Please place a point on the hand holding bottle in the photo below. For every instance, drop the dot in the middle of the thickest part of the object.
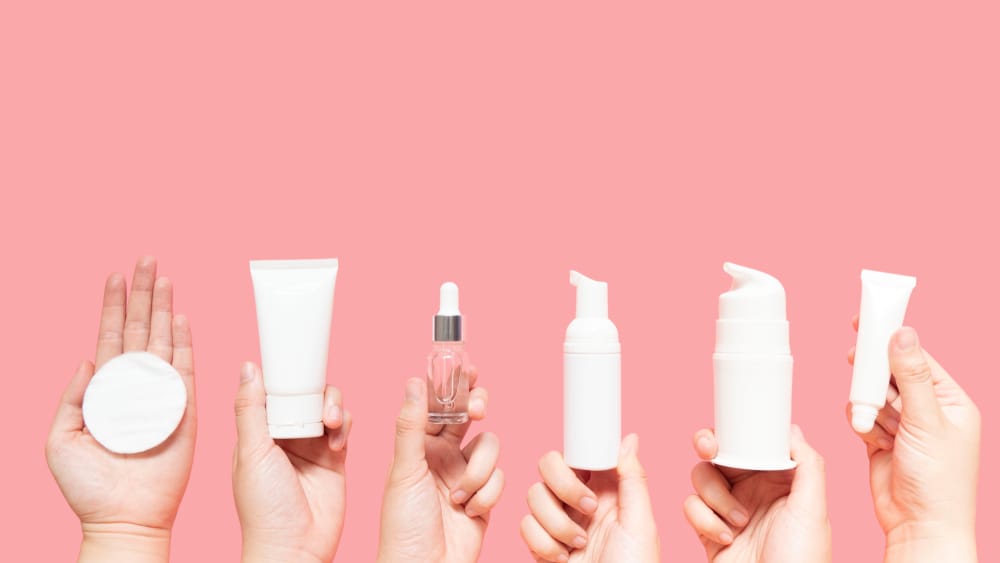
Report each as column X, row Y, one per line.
column 289, row 493
column 774, row 516
column 592, row 516
column 924, row 459
column 127, row 503
column 439, row 494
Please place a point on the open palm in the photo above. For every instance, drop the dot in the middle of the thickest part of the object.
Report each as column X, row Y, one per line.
column 143, row 489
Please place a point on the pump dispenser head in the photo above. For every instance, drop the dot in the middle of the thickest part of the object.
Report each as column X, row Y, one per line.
column 448, row 320
column 591, row 331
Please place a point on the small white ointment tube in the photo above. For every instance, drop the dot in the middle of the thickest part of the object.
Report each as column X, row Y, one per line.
column 883, row 306
column 294, row 306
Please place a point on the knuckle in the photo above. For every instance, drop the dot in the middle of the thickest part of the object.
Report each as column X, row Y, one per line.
column 241, row 405
column 916, row 372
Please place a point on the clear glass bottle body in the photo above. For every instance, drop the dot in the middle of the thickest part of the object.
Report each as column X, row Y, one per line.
column 447, row 384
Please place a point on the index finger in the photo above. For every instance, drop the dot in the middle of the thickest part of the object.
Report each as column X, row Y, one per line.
column 565, row 484
column 109, row 332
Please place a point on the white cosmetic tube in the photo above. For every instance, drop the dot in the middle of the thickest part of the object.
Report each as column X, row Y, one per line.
column 294, row 306
column 883, row 305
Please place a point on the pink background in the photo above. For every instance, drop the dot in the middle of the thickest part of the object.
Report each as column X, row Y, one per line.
column 496, row 145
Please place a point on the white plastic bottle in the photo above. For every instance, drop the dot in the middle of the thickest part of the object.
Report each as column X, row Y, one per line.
column 591, row 380
column 884, row 298
column 753, row 373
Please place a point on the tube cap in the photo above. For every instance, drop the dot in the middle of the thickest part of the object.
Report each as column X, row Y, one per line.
column 295, row 416
column 863, row 418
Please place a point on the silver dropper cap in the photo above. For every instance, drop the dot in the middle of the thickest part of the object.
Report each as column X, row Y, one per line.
column 448, row 320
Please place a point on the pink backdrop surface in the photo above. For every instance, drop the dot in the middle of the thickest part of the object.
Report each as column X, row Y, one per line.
column 498, row 146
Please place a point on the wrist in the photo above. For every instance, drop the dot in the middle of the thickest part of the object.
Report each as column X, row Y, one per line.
column 930, row 542
column 121, row 541
column 256, row 552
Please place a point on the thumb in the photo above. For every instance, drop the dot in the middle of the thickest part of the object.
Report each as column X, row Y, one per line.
column 913, row 379
column 809, row 484
column 69, row 416
column 410, row 428
column 251, row 415
column 633, row 490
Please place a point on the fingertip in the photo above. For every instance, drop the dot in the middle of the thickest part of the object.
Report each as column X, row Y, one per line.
column 247, row 372
column 116, row 280
column 905, row 339
column 705, row 444
column 414, row 389
column 145, row 261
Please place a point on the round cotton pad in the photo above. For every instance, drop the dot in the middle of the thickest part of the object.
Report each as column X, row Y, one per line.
column 134, row 402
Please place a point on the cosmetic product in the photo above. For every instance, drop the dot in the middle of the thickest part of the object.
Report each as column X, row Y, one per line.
column 447, row 377
column 753, row 373
column 591, row 380
column 134, row 402
column 883, row 305
column 294, row 305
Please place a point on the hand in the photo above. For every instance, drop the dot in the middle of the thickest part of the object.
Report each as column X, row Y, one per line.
column 773, row 516
column 127, row 503
column 592, row 516
column 289, row 493
column 924, row 459
column 438, row 495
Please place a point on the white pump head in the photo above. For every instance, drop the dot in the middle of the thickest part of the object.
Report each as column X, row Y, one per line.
column 591, row 331
column 752, row 314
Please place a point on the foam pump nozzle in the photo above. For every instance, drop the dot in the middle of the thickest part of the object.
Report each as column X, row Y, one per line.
column 591, row 296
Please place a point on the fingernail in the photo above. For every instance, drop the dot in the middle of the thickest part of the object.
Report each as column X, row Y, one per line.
column 907, row 340
column 588, row 504
column 333, row 413
column 704, row 443
column 478, row 406
column 726, row 538
column 579, row 542
column 563, row 558
column 246, row 372
column 412, row 390
column 738, row 517
column 459, row 496
column 884, row 443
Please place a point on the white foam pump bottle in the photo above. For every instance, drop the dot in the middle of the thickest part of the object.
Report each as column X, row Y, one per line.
column 753, row 373
column 591, row 380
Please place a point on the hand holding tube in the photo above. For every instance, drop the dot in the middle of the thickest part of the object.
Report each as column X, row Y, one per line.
column 592, row 516
column 924, row 459
column 289, row 493
column 774, row 516
column 127, row 503
column 439, row 494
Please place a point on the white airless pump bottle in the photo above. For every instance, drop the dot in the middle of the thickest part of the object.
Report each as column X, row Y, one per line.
column 753, row 373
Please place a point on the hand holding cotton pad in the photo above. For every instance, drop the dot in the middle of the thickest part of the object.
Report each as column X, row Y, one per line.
column 134, row 403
